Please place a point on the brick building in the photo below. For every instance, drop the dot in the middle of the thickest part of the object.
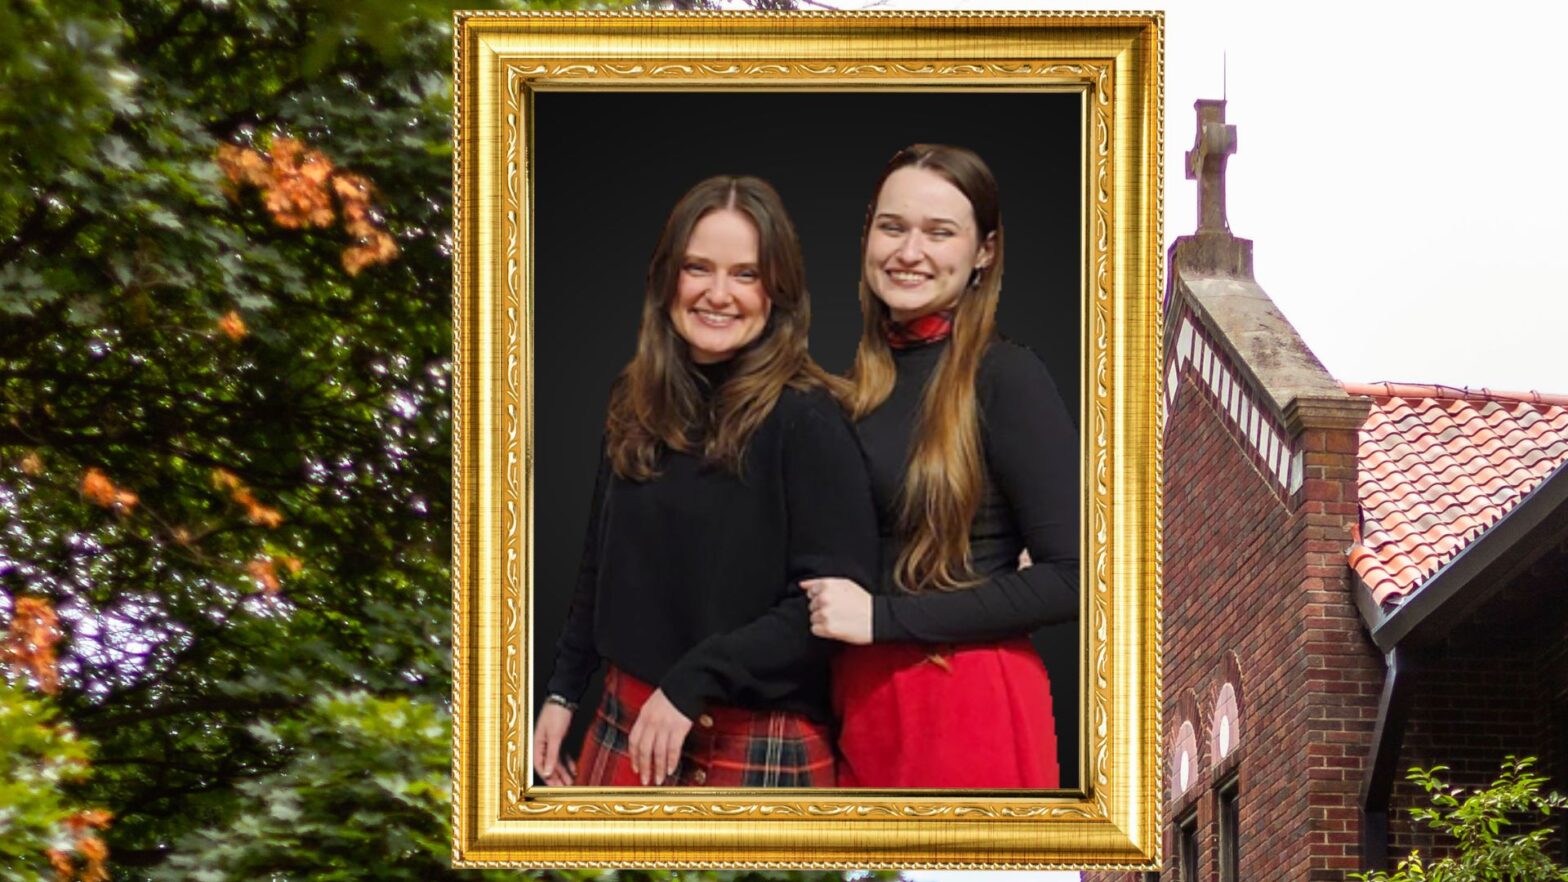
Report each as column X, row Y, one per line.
column 1358, row 579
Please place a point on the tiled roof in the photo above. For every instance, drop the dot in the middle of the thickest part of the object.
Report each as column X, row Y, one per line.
column 1438, row 467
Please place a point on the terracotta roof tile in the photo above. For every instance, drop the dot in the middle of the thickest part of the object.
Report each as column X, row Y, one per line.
column 1438, row 467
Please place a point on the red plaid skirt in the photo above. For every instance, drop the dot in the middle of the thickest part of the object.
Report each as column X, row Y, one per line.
column 727, row 746
column 972, row 715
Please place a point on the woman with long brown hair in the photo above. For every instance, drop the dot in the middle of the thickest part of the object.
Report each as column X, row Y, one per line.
column 728, row 476
column 973, row 462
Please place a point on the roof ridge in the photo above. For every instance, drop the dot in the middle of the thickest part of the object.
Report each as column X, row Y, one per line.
column 1453, row 393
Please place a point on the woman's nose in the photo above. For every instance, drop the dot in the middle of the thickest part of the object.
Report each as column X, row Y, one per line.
column 719, row 291
column 909, row 250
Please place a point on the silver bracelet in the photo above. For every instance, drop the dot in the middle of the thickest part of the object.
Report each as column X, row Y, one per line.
column 552, row 698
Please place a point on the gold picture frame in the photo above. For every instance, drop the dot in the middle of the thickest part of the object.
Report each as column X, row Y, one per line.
column 1113, row 62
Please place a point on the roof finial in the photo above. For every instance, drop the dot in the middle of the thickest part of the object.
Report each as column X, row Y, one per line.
column 1206, row 164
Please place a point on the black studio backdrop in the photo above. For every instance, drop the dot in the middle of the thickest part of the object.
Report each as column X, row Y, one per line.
column 608, row 167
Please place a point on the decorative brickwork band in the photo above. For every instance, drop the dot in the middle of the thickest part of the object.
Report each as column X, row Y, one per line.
column 1252, row 422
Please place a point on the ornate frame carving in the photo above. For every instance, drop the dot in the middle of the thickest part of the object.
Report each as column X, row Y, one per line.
column 1115, row 60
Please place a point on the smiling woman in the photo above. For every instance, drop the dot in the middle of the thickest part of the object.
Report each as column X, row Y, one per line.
column 972, row 458
column 728, row 476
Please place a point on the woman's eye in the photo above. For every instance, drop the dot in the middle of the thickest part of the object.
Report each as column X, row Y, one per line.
column 695, row 269
column 890, row 228
column 748, row 275
column 941, row 234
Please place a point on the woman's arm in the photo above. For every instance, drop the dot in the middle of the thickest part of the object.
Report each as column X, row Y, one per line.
column 832, row 532
column 1032, row 456
column 831, row 528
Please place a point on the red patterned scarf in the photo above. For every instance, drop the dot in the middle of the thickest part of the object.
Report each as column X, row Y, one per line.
column 918, row 331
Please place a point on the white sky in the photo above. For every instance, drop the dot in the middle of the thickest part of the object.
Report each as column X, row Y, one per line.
column 1401, row 168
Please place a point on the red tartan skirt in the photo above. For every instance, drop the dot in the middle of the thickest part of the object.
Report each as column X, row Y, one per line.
column 727, row 746
column 973, row 715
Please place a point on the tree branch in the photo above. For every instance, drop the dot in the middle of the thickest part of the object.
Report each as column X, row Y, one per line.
column 216, row 704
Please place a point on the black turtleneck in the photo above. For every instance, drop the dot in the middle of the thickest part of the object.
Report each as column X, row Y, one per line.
column 1030, row 502
column 690, row 581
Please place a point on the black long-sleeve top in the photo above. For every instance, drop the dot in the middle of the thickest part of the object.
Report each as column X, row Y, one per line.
column 691, row 580
column 1030, row 501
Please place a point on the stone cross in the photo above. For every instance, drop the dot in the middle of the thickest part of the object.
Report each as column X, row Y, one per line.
column 1206, row 164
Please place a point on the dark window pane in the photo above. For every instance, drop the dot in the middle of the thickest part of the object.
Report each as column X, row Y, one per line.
column 1187, row 848
column 1230, row 831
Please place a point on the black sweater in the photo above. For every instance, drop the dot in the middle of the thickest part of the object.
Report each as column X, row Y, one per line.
column 690, row 581
column 1030, row 502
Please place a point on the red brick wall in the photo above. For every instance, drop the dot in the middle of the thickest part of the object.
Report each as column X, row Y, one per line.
column 1343, row 673
column 1250, row 571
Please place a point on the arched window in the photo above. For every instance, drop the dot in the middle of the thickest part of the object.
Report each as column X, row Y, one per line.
column 1184, row 759
column 1226, row 730
column 1225, row 721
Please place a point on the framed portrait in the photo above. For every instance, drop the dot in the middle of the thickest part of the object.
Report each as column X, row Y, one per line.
column 575, row 135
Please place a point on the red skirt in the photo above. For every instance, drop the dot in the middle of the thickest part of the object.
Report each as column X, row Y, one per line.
column 727, row 746
column 973, row 715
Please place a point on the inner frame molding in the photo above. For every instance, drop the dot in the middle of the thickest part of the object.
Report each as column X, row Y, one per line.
column 1114, row 61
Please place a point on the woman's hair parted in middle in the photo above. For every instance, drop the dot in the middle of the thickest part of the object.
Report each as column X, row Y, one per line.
column 656, row 402
column 945, row 476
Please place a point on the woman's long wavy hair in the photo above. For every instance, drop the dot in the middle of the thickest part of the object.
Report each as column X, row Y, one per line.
column 657, row 402
column 945, row 476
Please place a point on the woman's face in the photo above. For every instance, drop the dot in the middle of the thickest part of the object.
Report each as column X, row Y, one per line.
column 720, row 303
column 923, row 245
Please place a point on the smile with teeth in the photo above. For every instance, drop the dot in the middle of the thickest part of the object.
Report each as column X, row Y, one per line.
column 715, row 319
column 908, row 277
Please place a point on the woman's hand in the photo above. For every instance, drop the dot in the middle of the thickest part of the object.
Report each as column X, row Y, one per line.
column 656, row 739
column 549, row 733
column 840, row 609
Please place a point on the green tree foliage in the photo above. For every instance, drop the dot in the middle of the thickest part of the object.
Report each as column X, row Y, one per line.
column 328, row 813
column 1500, row 833
column 224, row 434
column 38, row 759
